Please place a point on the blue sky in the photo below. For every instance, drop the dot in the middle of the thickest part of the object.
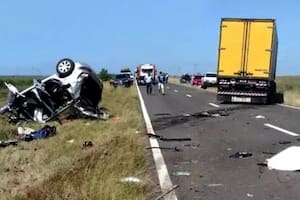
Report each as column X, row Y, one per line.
column 177, row 35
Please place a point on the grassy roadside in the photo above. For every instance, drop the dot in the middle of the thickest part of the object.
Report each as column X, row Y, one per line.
column 288, row 85
column 60, row 168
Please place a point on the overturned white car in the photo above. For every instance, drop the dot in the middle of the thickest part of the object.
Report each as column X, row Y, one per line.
column 74, row 90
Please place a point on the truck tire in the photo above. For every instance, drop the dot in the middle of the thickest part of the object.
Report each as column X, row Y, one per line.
column 271, row 98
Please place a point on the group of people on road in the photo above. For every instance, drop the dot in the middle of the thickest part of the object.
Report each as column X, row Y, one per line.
column 162, row 79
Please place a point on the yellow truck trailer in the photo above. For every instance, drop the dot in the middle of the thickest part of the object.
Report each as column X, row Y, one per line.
column 247, row 60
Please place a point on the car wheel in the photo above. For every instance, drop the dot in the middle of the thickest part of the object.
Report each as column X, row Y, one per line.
column 65, row 67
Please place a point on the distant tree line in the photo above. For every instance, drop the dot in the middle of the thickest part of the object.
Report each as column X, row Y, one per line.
column 104, row 75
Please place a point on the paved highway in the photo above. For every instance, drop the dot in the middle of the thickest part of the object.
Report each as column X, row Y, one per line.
column 218, row 131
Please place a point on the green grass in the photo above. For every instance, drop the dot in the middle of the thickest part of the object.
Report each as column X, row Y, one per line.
column 55, row 168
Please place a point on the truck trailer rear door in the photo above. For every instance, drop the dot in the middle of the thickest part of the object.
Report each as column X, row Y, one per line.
column 259, row 48
column 231, row 49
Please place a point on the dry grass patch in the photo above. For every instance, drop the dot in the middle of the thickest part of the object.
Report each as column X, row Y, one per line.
column 61, row 168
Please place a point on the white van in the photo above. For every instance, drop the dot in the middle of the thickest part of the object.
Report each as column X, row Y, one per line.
column 210, row 78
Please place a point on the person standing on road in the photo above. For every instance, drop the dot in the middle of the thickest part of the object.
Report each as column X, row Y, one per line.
column 161, row 83
column 149, row 81
column 166, row 77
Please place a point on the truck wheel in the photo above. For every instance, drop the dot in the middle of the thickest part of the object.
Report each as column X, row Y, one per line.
column 204, row 86
column 271, row 98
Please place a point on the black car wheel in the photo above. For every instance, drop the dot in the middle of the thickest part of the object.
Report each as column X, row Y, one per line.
column 65, row 67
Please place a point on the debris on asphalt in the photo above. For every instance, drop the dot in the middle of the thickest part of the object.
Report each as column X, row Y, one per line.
column 160, row 197
column 215, row 185
column 263, row 164
column 162, row 114
column 241, row 154
column 131, row 179
column 284, row 142
column 175, row 139
column 260, row 117
column 286, row 160
column 215, row 115
column 250, row 195
column 268, row 153
column 168, row 139
column 181, row 173
column 166, row 148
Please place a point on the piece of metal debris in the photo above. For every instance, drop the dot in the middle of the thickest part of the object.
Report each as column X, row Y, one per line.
column 168, row 139
column 166, row 148
column 250, row 195
column 215, row 185
column 284, row 142
column 131, row 179
column 160, row 197
column 71, row 141
column 260, row 117
column 181, row 173
column 87, row 144
column 241, row 154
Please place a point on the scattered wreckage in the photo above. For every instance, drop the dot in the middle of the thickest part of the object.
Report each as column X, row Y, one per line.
column 75, row 91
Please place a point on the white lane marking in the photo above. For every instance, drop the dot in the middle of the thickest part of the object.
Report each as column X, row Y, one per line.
column 260, row 117
column 214, row 105
column 287, row 106
column 281, row 130
column 168, row 88
column 186, row 115
column 175, row 90
column 188, row 95
column 162, row 171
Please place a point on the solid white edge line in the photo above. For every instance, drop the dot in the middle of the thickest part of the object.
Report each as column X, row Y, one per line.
column 281, row 129
column 288, row 106
column 214, row 105
column 162, row 171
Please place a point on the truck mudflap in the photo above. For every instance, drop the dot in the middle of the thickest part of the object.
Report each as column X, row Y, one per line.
column 255, row 98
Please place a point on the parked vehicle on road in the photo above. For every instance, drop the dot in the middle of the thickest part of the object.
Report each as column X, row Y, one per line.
column 197, row 80
column 247, row 60
column 143, row 70
column 186, row 78
column 75, row 87
column 123, row 79
column 126, row 70
column 210, row 79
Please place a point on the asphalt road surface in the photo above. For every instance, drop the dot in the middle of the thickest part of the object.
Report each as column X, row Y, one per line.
column 217, row 131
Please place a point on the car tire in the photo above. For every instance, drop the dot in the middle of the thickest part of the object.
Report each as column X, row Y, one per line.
column 65, row 67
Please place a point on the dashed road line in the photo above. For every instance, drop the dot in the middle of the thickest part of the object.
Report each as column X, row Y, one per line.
column 281, row 129
column 162, row 171
column 175, row 90
column 188, row 95
column 214, row 105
